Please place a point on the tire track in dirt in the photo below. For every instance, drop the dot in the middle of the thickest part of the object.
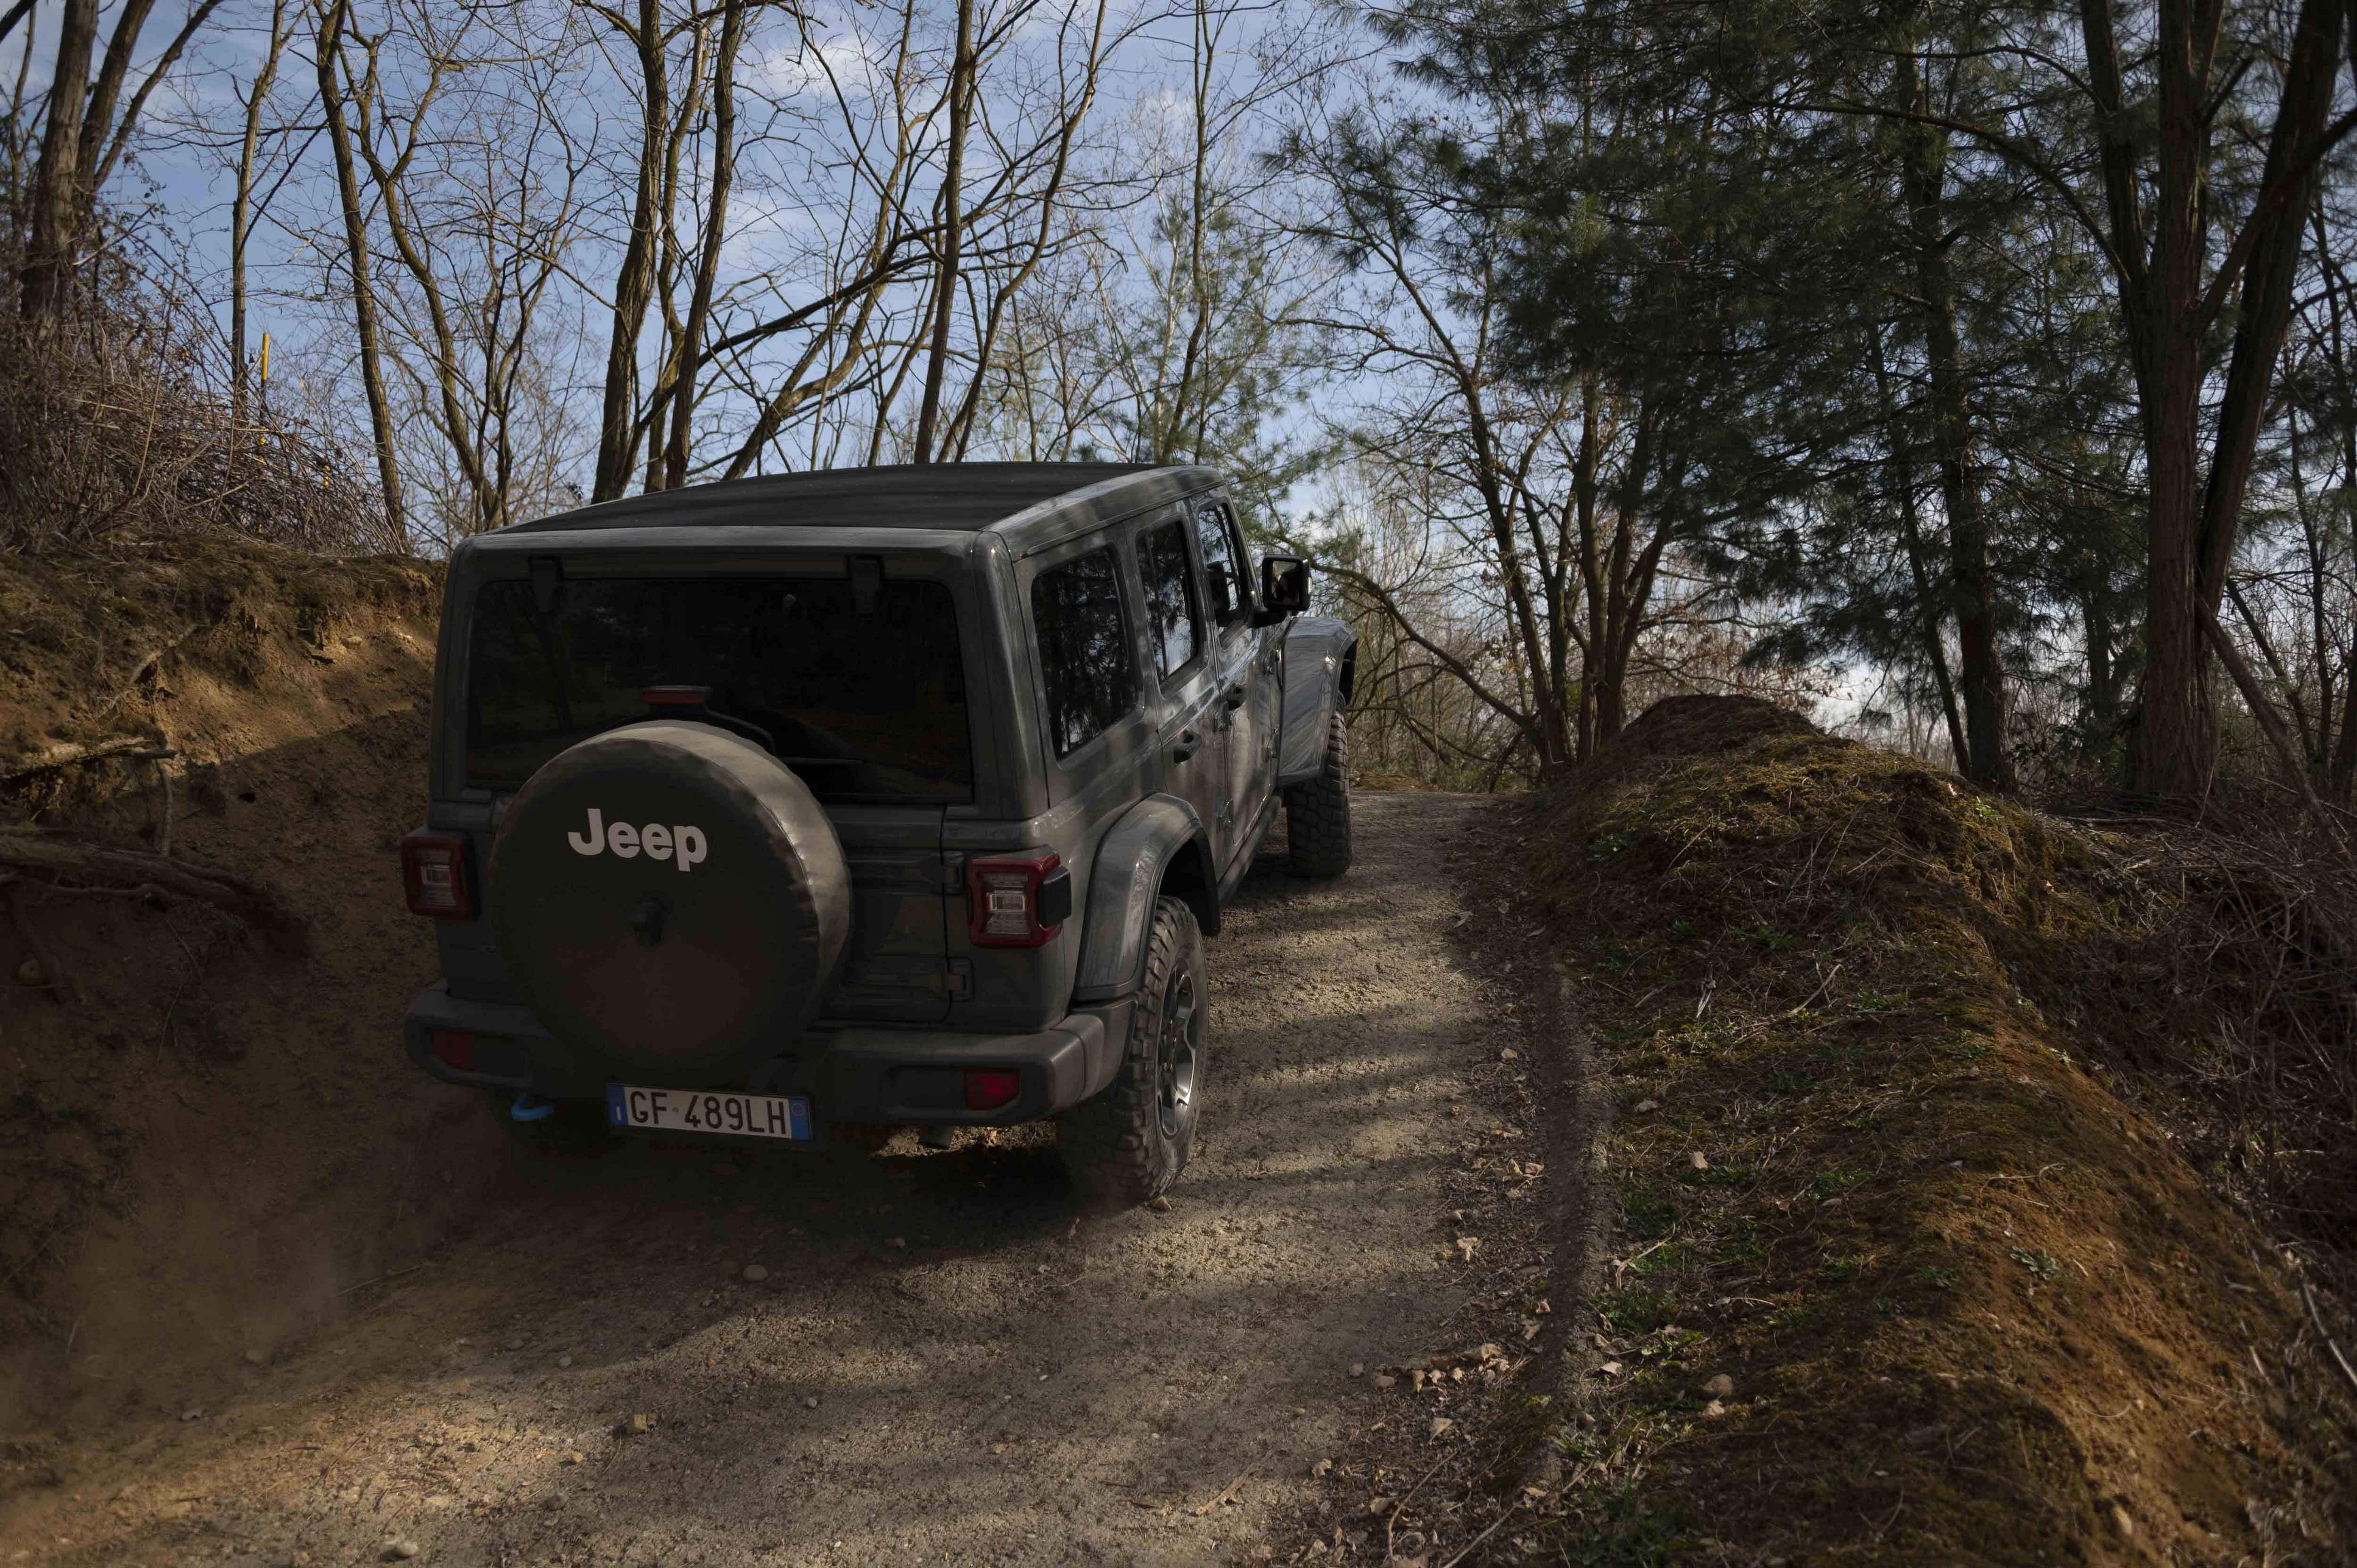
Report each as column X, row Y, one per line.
column 945, row 1360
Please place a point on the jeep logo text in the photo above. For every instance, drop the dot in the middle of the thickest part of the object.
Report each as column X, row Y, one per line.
column 624, row 842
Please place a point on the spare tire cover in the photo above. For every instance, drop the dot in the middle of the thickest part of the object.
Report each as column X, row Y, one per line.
column 670, row 900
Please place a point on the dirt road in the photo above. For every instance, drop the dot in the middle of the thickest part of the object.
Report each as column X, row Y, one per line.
column 939, row 1359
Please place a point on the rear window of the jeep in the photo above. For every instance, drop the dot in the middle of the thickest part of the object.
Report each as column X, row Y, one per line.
column 862, row 706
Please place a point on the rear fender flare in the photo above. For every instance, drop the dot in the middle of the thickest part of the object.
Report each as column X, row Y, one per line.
column 1156, row 847
column 1321, row 659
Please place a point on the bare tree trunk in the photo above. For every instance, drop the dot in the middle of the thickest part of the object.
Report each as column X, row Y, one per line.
column 962, row 86
column 1613, row 636
column 241, row 209
column 2168, row 312
column 617, row 442
column 2103, row 675
column 340, row 140
column 961, row 429
column 1927, row 621
column 669, row 256
column 716, row 228
column 47, row 276
column 1587, row 458
column 98, row 117
column 1981, row 673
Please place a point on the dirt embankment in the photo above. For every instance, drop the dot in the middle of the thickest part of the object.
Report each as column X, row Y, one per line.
column 184, row 1107
column 1912, row 1264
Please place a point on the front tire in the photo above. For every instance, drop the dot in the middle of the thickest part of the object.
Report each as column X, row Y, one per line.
column 1317, row 813
column 1127, row 1146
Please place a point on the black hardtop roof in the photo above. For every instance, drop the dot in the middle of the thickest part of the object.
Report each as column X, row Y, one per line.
column 946, row 496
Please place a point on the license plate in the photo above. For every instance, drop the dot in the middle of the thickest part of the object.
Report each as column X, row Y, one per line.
column 708, row 1111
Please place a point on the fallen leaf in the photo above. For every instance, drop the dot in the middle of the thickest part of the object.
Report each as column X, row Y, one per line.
column 1466, row 1244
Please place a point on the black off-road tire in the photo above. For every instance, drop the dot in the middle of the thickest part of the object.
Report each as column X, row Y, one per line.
column 1317, row 813
column 1127, row 1146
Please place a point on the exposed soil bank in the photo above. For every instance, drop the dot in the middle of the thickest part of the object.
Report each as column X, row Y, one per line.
column 1902, row 1272
column 204, row 1141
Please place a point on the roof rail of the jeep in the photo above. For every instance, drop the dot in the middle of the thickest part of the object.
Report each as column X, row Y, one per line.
column 955, row 497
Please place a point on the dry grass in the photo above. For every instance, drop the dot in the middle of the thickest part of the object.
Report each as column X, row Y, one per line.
column 1926, row 1104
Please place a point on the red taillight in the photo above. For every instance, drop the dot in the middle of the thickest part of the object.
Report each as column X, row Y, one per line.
column 1018, row 902
column 455, row 1047
column 988, row 1087
column 434, row 875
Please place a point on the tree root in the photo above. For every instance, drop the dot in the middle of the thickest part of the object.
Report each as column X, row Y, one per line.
column 52, row 854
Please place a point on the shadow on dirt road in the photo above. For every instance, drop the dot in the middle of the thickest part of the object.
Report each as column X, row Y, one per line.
column 941, row 1358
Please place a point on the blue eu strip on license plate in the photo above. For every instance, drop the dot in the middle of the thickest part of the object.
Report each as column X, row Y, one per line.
column 720, row 1111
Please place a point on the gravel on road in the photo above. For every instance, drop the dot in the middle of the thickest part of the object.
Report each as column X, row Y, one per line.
column 677, row 1354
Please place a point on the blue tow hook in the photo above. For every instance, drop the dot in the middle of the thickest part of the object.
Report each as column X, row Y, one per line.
column 532, row 1108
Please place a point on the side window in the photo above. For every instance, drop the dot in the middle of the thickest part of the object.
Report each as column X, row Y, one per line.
column 1084, row 648
column 1223, row 562
column 1173, row 621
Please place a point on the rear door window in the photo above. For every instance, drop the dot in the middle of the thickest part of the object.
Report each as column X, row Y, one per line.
column 1174, row 622
column 863, row 706
column 1086, row 658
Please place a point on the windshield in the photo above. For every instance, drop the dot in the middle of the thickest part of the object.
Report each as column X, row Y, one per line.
column 864, row 707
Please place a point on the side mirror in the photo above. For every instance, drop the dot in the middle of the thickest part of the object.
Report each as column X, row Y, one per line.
column 1284, row 586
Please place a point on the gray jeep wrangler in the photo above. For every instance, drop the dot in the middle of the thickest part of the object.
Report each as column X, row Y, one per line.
column 880, row 796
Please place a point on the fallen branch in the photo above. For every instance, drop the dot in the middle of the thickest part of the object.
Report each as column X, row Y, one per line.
column 59, row 757
column 1225, row 1495
column 2334, row 1350
column 55, row 854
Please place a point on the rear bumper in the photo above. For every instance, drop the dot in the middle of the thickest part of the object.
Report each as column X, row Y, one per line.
column 857, row 1073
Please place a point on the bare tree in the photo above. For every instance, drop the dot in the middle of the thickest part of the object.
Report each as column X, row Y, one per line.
column 85, row 137
column 945, row 280
column 241, row 228
column 332, row 17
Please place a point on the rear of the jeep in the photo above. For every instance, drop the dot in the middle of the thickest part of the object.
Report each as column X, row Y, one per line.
column 736, row 826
